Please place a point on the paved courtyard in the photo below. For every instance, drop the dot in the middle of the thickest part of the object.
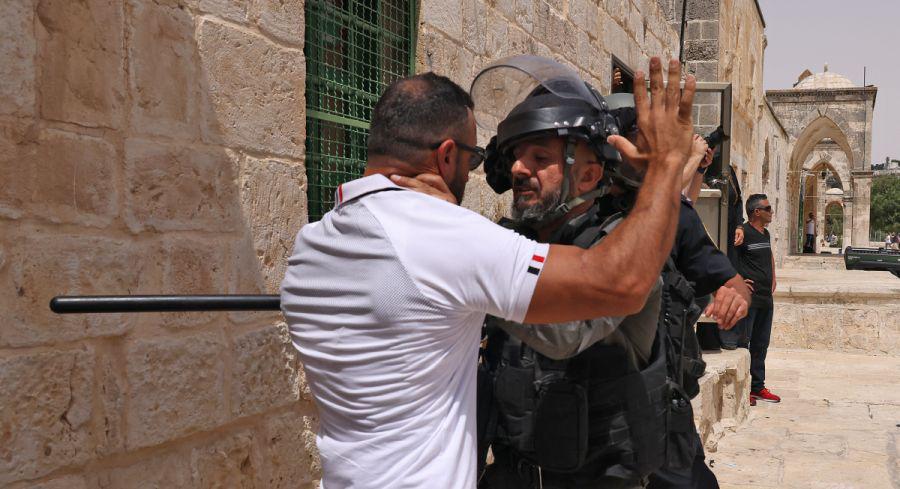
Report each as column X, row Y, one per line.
column 837, row 427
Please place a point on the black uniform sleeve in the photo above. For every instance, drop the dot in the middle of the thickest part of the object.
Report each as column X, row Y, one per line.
column 696, row 256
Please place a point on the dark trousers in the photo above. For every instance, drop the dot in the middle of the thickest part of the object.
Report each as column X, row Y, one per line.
column 753, row 332
column 810, row 245
column 698, row 476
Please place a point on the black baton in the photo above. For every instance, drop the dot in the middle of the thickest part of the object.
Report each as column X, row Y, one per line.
column 163, row 303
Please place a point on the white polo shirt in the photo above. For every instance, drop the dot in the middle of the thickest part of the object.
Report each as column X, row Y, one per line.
column 385, row 298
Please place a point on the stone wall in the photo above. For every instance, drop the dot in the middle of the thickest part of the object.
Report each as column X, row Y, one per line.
column 725, row 42
column 767, row 174
column 459, row 37
column 721, row 406
column 840, row 310
column 150, row 147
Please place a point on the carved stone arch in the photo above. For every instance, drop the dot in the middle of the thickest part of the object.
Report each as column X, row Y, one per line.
column 817, row 128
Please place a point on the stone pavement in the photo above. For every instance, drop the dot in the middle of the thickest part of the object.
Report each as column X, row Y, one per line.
column 837, row 427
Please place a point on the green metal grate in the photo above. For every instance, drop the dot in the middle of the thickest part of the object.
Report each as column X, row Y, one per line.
column 354, row 50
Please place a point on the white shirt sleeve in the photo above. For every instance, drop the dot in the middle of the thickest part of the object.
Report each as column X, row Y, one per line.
column 459, row 259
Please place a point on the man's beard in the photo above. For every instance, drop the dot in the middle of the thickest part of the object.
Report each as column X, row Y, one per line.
column 539, row 212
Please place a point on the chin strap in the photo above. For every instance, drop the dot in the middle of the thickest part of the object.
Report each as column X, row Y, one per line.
column 569, row 183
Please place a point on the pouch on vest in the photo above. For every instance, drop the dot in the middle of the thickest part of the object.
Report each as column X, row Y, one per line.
column 561, row 426
column 514, row 394
column 680, row 446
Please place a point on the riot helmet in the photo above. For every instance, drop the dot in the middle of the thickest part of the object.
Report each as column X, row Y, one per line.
column 523, row 97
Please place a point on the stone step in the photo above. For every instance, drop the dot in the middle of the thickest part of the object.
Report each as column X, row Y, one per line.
column 814, row 262
column 837, row 310
column 723, row 403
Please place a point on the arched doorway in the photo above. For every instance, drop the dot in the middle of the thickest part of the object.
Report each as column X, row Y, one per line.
column 833, row 234
column 821, row 160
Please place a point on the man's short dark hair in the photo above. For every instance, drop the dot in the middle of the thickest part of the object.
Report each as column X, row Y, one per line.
column 753, row 203
column 416, row 112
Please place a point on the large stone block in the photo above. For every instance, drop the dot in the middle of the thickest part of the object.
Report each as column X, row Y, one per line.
column 707, row 71
column 618, row 10
column 585, row 15
column 253, row 91
column 163, row 81
column 821, row 327
column 475, row 18
column 702, row 10
column 443, row 16
column 710, row 29
column 41, row 264
column 74, row 179
column 82, row 76
column 176, row 387
column 46, row 406
column 617, row 42
column 17, row 143
column 635, row 24
column 291, row 457
column 282, row 19
column 171, row 187
column 274, row 204
column 437, row 53
column 196, row 266
column 497, row 36
column 234, row 10
column 889, row 334
column 859, row 331
column 701, row 50
column 17, row 50
column 526, row 11
column 167, row 469
column 787, row 331
column 60, row 176
column 233, row 461
column 267, row 372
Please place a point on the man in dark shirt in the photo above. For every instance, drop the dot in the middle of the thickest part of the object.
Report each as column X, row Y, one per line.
column 756, row 263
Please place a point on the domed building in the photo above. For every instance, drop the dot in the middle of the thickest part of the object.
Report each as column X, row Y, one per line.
column 820, row 81
column 828, row 119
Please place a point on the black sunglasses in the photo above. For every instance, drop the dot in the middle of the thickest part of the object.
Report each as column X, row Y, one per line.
column 767, row 208
column 478, row 153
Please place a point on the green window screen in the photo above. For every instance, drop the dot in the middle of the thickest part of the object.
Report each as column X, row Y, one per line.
column 354, row 50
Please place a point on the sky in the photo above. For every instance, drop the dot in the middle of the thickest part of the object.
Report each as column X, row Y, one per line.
column 847, row 36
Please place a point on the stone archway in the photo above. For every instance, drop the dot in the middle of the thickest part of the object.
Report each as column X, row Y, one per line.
column 827, row 107
column 822, row 146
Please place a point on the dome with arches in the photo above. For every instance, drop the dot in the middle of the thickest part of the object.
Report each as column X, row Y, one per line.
column 824, row 80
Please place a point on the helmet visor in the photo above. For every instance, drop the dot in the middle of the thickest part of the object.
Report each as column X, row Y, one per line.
column 502, row 85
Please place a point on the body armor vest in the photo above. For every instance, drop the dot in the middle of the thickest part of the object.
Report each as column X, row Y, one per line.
column 597, row 413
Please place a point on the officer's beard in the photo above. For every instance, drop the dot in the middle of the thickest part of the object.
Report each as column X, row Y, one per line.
column 538, row 212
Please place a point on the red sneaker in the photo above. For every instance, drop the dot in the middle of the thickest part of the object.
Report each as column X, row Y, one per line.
column 752, row 401
column 764, row 395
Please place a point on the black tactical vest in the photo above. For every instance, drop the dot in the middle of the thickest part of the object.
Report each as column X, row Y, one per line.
column 597, row 414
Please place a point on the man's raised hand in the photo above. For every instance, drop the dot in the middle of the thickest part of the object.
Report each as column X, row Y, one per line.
column 428, row 184
column 664, row 122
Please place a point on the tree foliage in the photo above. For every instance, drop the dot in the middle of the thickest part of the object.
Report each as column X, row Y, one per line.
column 885, row 210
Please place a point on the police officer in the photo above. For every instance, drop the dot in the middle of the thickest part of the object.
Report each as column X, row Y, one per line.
column 618, row 376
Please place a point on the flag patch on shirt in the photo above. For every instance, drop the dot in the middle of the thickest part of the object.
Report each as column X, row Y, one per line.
column 536, row 264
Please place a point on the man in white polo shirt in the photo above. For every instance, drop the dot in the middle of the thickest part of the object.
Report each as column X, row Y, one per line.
column 386, row 295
